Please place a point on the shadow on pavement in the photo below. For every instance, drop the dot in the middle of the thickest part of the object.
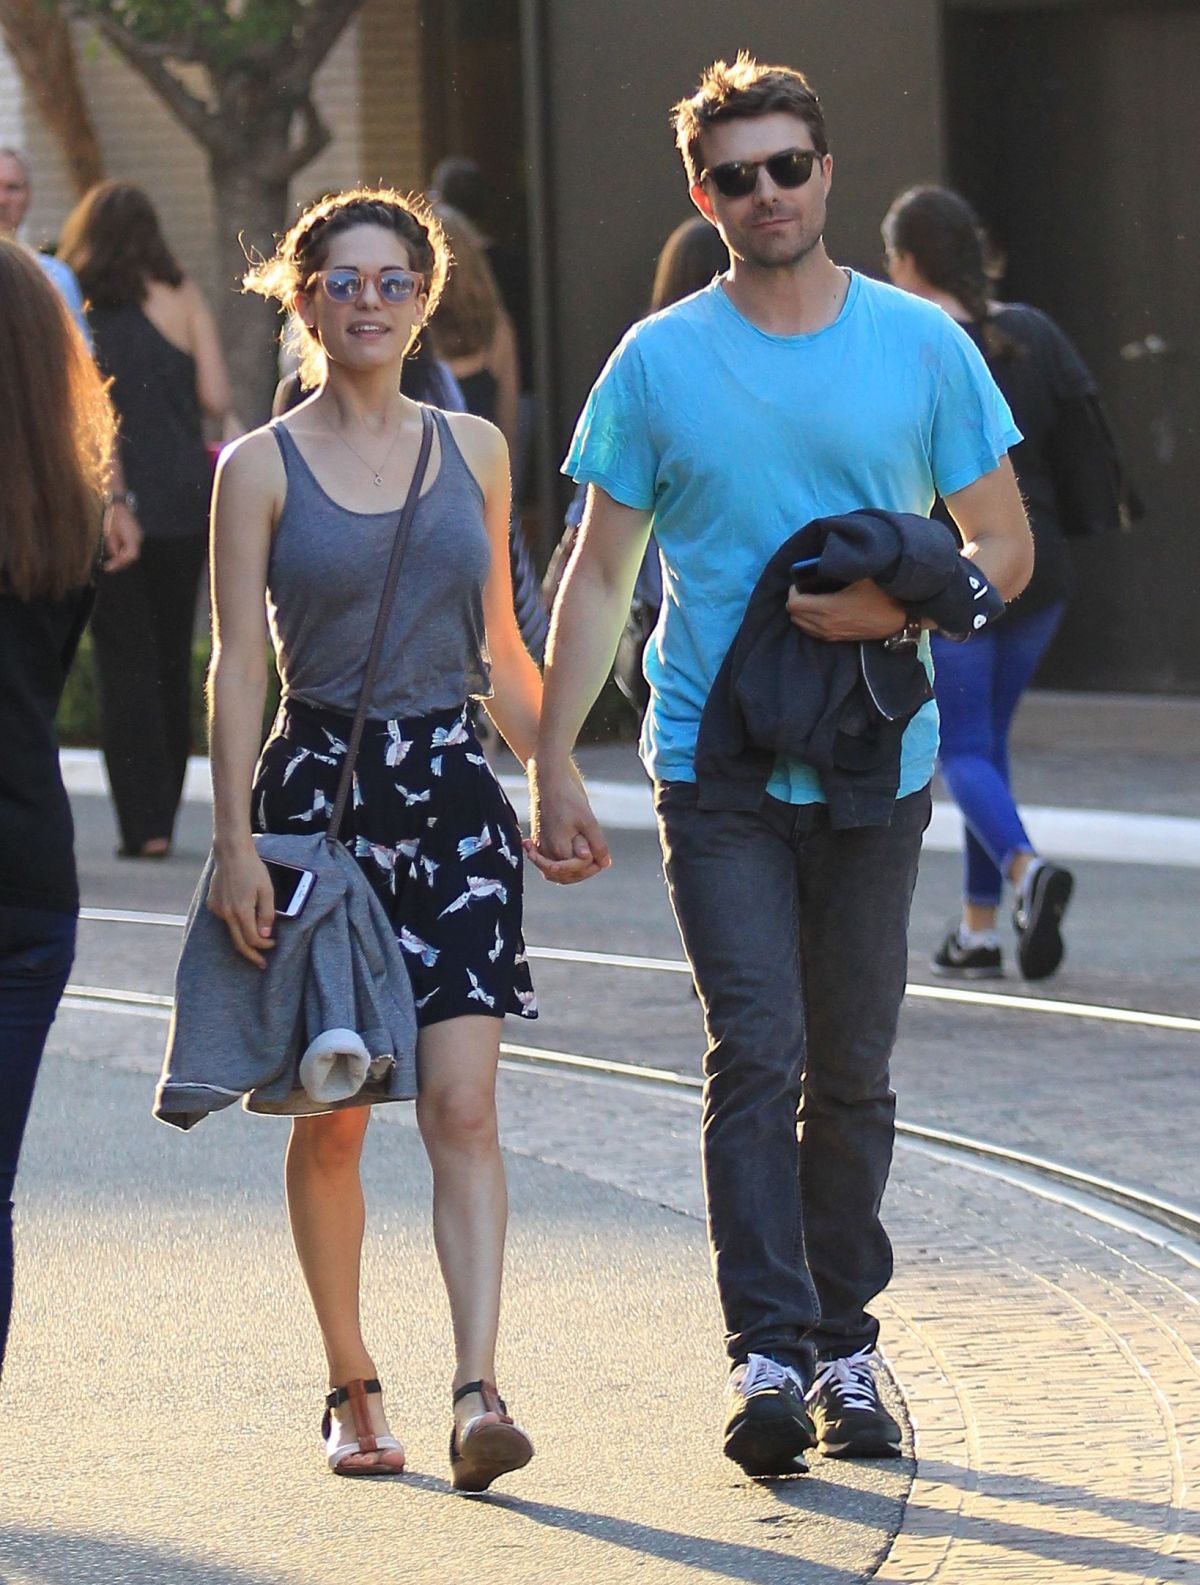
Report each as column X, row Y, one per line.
column 70, row 1558
column 734, row 1560
column 1064, row 1545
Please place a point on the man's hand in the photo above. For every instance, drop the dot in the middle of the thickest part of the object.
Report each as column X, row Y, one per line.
column 122, row 537
column 566, row 842
column 859, row 611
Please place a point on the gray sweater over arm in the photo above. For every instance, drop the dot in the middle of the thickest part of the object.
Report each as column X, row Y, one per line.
column 335, row 1001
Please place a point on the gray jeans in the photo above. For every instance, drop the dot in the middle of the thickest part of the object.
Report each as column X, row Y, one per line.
column 798, row 939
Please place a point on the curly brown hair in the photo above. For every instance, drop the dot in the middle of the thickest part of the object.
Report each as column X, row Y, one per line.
column 728, row 93
column 57, row 433
column 114, row 243
column 305, row 247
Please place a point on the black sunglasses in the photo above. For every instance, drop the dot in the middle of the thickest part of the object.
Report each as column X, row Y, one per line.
column 739, row 178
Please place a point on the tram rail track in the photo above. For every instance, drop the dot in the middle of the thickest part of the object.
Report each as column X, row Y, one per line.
column 916, row 989
column 1069, row 1187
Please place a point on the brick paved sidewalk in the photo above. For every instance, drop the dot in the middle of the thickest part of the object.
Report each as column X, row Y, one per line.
column 1048, row 1361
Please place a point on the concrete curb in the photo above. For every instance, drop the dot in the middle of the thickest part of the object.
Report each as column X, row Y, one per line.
column 1106, row 836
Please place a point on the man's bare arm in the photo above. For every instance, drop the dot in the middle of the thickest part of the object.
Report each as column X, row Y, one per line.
column 589, row 616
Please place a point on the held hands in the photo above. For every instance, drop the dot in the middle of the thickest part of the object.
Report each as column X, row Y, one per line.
column 565, row 843
column 859, row 611
column 240, row 893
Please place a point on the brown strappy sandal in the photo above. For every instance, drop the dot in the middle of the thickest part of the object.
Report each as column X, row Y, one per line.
column 355, row 1393
column 487, row 1448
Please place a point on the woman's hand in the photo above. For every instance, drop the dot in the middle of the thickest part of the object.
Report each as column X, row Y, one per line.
column 241, row 894
column 122, row 537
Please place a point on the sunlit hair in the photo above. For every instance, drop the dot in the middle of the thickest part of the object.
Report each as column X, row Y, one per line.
column 305, row 248
column 471, row 306
column 729, row 93
column 951, row 250
column 113, row 241
column 693, row 253
column 57, row 433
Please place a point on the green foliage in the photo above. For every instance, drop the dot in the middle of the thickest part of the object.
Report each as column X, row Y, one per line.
column 79, row 712
column 215, row 32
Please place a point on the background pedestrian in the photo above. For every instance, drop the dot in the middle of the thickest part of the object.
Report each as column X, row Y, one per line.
column 56, row 437
column 1066, row 468
column 155, row 339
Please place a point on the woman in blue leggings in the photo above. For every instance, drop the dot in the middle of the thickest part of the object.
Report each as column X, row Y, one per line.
column 56, row 435
column 1068, row 475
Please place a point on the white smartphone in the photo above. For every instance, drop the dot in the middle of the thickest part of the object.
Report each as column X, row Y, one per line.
column 291, row 885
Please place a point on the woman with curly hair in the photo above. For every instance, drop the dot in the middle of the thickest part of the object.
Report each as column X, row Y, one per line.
column 304, row 520
column 56, row 440
column 155, row 339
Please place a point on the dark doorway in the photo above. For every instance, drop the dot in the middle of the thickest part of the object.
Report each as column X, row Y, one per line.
column 1073, row 130
column 473, row 102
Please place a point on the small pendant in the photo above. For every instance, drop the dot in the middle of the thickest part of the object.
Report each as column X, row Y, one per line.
column 379, row 480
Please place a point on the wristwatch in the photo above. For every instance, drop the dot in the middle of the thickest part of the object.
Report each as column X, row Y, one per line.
column 907, row 638
column 122, row 498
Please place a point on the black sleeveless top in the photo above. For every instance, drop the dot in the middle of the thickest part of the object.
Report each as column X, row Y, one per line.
column 161, row 438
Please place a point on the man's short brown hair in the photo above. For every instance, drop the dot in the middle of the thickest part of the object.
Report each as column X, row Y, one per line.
column 744, row 89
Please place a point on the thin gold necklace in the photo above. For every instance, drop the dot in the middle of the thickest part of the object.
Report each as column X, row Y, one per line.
column 376, row 473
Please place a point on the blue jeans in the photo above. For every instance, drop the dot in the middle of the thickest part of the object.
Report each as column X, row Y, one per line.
column 978, row 687
column 798, row 939
column 37, row 949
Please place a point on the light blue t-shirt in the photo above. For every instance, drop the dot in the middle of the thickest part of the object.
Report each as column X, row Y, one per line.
column 735, row 439
column 62, row 277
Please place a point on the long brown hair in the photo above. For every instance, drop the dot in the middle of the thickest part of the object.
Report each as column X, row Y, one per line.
column 114, row 243
column 693, row 253
column 471, row 305
column 57, row 432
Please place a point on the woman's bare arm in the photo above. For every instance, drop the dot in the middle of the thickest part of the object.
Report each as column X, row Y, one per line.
column 212, row 377
column 516, row 681
column 505, row 363
column 249, row 486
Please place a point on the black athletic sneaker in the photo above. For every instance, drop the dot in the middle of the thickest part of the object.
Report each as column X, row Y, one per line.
column 768, row 1429
column 1036, row 919
column 848, row 1417
column 954, row 961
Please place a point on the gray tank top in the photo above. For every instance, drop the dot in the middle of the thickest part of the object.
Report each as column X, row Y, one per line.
column 324, row 579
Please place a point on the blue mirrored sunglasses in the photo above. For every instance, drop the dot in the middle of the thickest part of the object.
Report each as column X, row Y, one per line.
column 346, row 285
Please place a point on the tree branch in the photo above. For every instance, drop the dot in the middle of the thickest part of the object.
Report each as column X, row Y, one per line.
column 315, row 136
column 40, row 43
column 326, row 21
column 147, row 61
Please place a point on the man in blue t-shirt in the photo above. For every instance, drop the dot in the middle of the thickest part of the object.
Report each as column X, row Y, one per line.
column 789, row 389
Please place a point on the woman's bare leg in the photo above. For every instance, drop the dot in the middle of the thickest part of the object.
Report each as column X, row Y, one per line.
column 456, row 1111
column 327, row 1213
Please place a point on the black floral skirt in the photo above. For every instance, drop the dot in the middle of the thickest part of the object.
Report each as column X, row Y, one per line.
column 435, row 836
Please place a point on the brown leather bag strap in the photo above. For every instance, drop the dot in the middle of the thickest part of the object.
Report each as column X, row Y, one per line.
column 391, row 578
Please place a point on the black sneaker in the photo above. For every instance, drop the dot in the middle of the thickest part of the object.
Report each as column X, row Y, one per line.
column 849, row 1419
column 1036, row 918
column 768, row 1429
column 954, row 961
